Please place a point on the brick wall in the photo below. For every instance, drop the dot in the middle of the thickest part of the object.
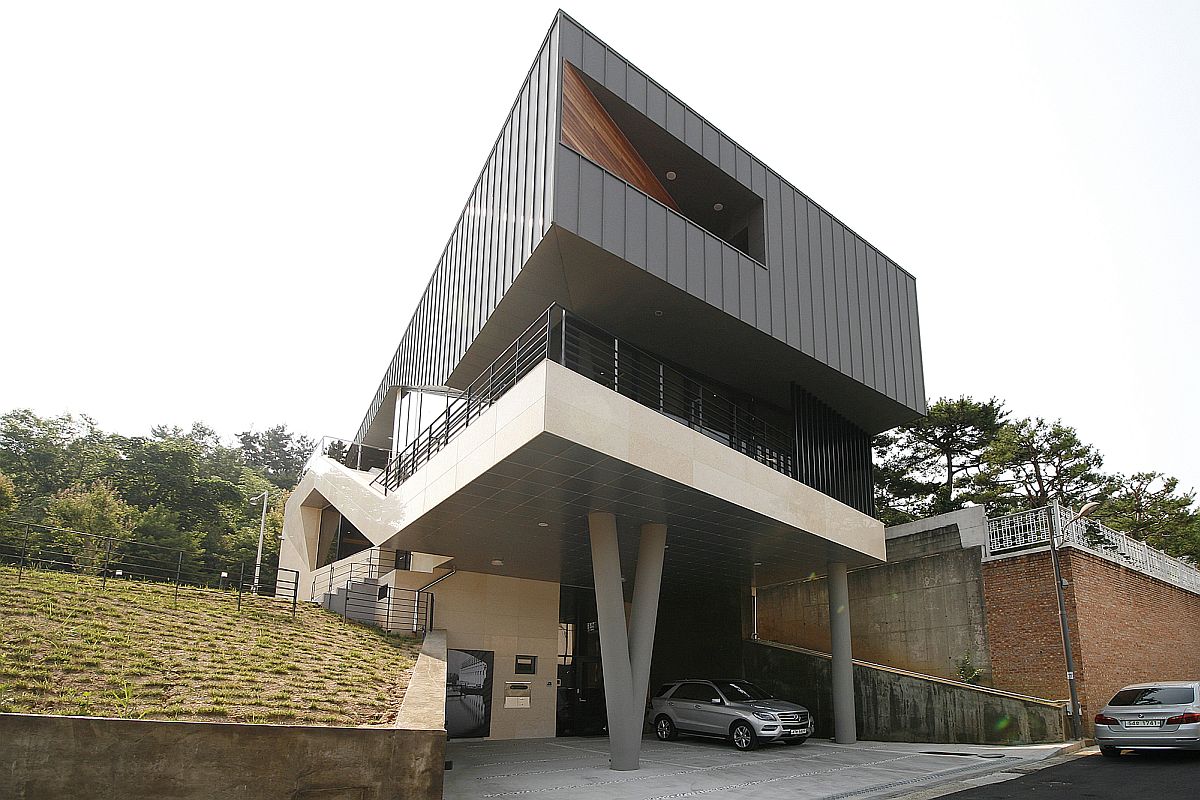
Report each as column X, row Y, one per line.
column 1132, row 628
column 1125, row 627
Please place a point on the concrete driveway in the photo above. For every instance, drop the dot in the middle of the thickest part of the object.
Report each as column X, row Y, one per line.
column 577, row 768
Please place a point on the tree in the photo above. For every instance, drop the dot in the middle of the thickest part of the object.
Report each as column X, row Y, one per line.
column 169, row 470
column 44, row 455
column 935, row 464
column 1031, row 462
column 1149, row 506
column 95, row 510
column 242, row 544
column 279, row 453
column 8, row 494
column 158, row 544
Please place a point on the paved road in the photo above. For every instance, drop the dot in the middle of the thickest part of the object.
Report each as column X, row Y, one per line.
column 1133, row 776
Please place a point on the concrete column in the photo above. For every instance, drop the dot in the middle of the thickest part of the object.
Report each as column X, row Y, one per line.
column 844, row 730
column 625, row 653
column 644, row 617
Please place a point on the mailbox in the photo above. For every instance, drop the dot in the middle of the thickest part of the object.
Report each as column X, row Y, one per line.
column 516, row 694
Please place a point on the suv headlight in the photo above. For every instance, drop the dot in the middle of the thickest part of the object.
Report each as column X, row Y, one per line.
column 763, row 715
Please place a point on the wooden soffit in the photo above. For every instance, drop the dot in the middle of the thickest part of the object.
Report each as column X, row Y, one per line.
column 588, row 129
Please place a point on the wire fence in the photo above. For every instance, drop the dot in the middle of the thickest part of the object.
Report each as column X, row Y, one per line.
column 111, row 560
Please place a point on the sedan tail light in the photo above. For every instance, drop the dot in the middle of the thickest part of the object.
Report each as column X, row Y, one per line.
column 1183, row 719
column 1102, row 719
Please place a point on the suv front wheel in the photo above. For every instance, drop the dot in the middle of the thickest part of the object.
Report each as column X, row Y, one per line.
column 664, row 729
column 743, row 736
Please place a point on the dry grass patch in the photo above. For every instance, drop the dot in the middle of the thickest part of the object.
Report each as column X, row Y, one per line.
column 68, row 646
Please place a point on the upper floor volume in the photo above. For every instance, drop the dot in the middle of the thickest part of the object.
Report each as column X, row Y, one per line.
column 607, row 195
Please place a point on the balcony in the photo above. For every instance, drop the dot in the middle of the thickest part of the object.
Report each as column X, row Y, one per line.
column 584, row 348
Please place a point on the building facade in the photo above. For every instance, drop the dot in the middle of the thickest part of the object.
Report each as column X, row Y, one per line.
column 643, row 379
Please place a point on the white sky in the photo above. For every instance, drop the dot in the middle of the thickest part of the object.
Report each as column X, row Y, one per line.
column 226, row 211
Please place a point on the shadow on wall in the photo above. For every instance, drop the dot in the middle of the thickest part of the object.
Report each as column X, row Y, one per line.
column 896, row 706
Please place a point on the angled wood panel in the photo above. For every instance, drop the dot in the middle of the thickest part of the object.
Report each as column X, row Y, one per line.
column 587, row 128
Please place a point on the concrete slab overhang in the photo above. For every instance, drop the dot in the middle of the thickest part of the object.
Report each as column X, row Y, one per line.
column 517, row 484
column 649, row 312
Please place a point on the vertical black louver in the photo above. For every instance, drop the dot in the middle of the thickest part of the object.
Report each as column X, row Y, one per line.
column 832, row 454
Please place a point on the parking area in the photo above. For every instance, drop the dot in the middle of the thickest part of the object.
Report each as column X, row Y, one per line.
column 577, row 768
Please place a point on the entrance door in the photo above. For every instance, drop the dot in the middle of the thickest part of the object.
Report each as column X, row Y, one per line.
column 469, row 693
column 581, row 709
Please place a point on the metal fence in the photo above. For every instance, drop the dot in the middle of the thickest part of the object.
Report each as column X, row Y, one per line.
column 1025, row 530
column 582, row 347
column 369, row 564
column 29, row 546
column 390, row 608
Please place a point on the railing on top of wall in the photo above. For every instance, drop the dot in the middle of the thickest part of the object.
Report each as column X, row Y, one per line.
column 1015, row 533
column 349, row 453
column 582, row 347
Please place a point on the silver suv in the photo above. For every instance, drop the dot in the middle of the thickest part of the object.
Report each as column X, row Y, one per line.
column 733, row 709
column 1151, row 716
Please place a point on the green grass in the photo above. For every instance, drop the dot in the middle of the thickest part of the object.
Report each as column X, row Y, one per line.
column 68, row 646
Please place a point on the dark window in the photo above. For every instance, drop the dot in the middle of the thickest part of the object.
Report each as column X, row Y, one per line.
column 1155, row 696
column 666, row 687
column 526, row 665
column 383, row 592
column 700, row 692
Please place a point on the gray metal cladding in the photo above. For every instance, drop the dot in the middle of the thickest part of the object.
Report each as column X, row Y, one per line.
column 823, row 289
column 506, row 215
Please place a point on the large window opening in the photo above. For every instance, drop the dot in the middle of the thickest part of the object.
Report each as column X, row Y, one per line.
column 608, row 131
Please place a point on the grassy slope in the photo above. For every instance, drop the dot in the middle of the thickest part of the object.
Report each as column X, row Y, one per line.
column 69, row 647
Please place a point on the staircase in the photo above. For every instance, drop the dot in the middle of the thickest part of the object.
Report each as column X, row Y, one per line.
column 357, row 588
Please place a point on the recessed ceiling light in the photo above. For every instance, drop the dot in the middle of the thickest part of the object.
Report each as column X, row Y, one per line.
column 543, row 524
column 758, row 563
column 658, row 312
column 671, row 175
column 718, row 207
column 497, row 562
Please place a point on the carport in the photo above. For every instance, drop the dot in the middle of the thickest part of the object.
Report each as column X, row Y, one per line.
column 564, row 480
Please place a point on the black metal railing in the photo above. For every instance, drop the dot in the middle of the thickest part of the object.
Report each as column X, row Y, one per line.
column 530, row 349
column 371, row 563
column 118, row 561
column 671, row 391
column 587, row 349
column 389, row 608
column 349, row 453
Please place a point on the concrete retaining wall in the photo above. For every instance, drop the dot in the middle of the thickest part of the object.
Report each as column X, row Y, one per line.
column 921, row 611
column 897, row 706
column 90, row 758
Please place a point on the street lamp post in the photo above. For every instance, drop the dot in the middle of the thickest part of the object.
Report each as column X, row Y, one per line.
column 1068, row 654
column 262, row 529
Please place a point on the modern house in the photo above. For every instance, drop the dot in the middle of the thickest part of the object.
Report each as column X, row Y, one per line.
column 642, row 380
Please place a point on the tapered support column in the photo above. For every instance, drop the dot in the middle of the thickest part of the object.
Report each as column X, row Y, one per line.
column 844, row 730
column 625, row 653
column 642, row 621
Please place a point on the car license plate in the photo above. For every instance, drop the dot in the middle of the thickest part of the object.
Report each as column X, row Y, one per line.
column 1143, row 723
column 795, row 731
